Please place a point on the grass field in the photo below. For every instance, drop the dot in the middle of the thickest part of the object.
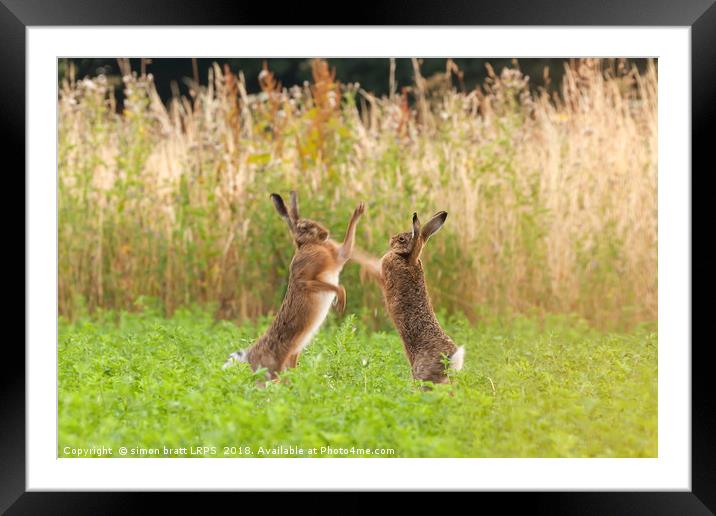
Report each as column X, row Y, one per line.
column 554, row 387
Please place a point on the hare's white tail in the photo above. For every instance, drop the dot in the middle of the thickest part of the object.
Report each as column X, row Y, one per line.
column 457, row 359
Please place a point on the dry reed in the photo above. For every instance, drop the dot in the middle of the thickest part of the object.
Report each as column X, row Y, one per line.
column 552, row 199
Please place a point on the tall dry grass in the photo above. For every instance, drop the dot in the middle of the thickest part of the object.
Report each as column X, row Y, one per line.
column 552, row 200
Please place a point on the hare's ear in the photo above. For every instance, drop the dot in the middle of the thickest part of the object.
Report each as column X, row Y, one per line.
column 294, row 206
column 417, row 242
column 433, row 224
column 416, row 225
column 281, row 209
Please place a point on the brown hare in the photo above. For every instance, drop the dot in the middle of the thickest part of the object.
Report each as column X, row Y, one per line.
column 312, row 287
column 400, row 274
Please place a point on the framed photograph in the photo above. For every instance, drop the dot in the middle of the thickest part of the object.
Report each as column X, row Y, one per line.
column 434, row 250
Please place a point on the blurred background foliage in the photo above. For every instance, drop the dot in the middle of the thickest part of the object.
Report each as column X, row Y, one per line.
column 176, row 75
column 165, row 167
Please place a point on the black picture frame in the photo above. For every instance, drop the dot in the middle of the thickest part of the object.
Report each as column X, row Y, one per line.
column 17, row 15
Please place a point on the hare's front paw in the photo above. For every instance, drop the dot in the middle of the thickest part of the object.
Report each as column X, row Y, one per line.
column 340, row 300
column 360, row 209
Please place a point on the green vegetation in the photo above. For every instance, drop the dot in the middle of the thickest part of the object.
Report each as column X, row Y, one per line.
column 554, row 387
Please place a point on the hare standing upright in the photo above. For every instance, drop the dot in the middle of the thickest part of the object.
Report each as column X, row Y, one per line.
column 312, row 286
column 400, row 273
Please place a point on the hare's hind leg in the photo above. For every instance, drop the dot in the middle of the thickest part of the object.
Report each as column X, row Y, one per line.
column 291, row 360
column 270, row 376
column 430, row 371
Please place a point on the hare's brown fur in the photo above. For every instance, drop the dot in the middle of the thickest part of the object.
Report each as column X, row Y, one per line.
column 408, row 303
column 312, row 286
